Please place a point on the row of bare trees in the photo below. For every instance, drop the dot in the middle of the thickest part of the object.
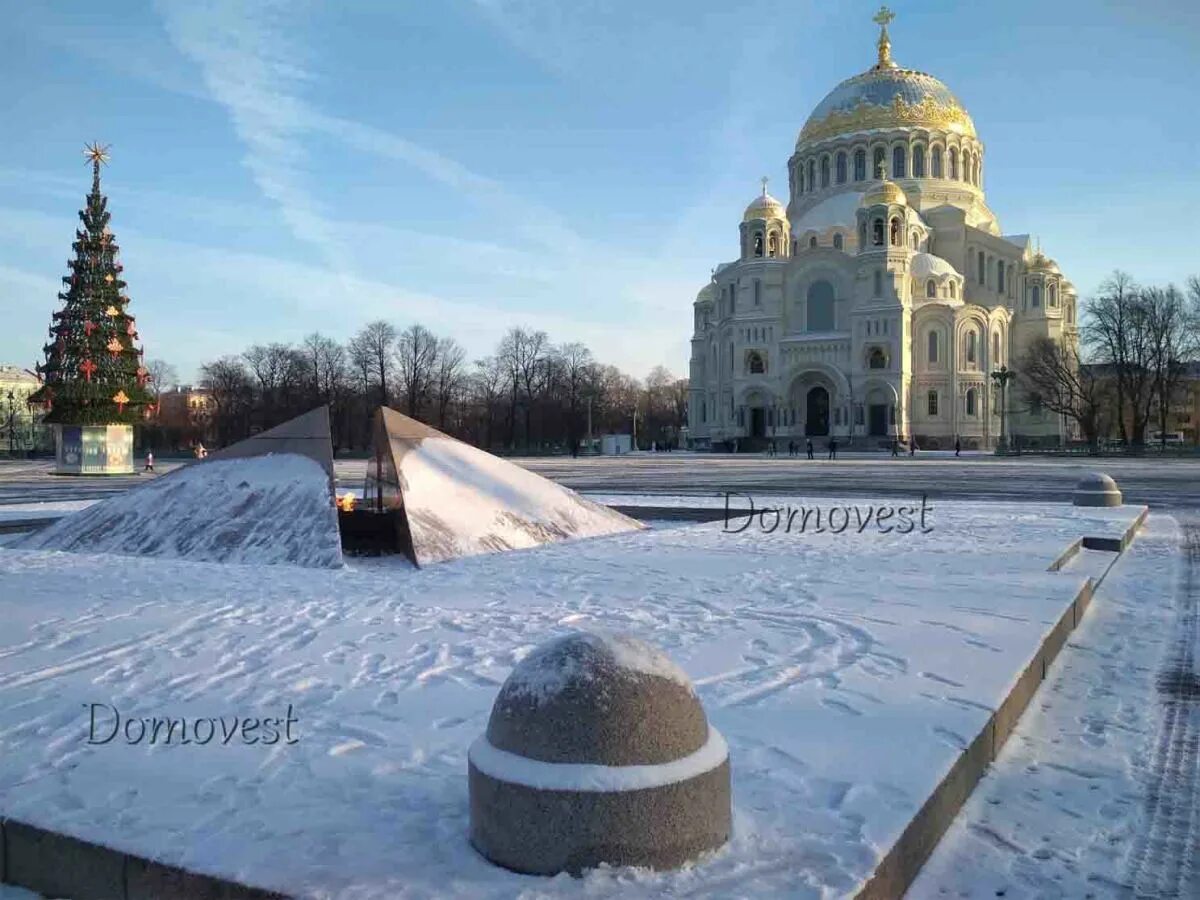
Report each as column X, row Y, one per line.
column 528, row 395
column 1137, row 344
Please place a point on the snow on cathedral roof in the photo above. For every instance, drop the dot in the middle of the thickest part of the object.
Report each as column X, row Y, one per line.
column 926, row 264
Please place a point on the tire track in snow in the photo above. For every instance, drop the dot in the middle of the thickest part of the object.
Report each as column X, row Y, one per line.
column 1163, row 860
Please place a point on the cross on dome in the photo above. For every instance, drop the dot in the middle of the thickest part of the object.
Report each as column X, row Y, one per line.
column 764, row 184
column 883, row 18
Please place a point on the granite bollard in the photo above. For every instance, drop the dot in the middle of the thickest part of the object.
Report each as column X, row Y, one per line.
column 597, row 751
column 1096, row 489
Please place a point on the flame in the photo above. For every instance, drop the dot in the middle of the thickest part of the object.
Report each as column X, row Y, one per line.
column 346, row 502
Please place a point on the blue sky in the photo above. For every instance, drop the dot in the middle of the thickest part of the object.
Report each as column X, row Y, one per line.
column 282, row 167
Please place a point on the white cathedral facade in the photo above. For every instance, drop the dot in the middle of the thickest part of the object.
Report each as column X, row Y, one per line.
column 877, row 305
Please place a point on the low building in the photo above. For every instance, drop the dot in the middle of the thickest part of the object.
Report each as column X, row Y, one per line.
column 20, row 425
column 185, row 414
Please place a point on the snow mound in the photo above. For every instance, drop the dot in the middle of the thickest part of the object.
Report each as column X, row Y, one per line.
column 264, row 510
column 462, row 501
column 551, row 667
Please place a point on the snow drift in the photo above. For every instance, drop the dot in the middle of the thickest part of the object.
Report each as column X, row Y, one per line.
column 462, row 501
column 264, row 510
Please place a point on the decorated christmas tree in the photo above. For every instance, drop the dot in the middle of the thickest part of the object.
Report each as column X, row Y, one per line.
column 94, row 373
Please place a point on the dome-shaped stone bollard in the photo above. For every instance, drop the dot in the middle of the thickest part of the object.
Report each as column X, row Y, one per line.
column 597, row 751
column 1097, row 489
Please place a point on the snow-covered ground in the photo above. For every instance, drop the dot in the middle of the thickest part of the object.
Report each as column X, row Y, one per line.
column 846, row 671
column 1062, row 812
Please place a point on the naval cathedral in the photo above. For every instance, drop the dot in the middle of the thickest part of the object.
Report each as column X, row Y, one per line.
column 876, row 305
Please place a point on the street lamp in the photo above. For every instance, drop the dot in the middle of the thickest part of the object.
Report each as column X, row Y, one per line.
column 1002, row 377
column 12, row 414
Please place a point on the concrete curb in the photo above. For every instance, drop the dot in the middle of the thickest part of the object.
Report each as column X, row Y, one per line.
column 900, row 866
column 58, row 865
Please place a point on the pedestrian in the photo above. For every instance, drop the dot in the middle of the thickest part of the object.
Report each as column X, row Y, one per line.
column 912, row 446
column 833, row 448
column 810, row 448
column 791, row 449
column 771, row 448
column 957, row 447
column 149, row 461
column 895, row 448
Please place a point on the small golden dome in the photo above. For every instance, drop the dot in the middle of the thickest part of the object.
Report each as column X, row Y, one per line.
column 764, row 207
column 886, row 192
column 1042, row 263
column 707, row 294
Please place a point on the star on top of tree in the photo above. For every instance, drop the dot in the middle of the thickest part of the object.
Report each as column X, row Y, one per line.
column 97, row 153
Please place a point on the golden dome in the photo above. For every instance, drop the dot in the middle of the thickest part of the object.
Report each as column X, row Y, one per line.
column 885, row 192
column 707, row 294
column 1042, row 263
column 764, row 207
column 886, row 96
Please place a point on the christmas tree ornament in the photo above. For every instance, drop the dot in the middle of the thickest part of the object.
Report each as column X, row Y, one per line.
column 114, row 346
column 108, row 278
column 120, row 399
column 112, row 312
column 87, row 367
column 88, row 327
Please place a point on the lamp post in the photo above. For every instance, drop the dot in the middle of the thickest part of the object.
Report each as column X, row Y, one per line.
column 12, row 415
column 1002, row 376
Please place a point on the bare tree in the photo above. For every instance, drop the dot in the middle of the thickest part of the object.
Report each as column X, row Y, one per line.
column 376, row 342
column 574, row 364
column 232, row 391
column 1053, row 371
column 1172, row 340
column 448, row 376
column 489, row 383
column 524, row 354
column 163, row 376
column 416, row 356
column 1117, row 328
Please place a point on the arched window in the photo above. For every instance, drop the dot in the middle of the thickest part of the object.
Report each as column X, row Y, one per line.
column 841, row 167
column 877, row 235
column 932, row 349
column 837, row 241
column 912, row 240
column 812, row 241
column 1070, row 311
column 918, row 161
column 899, row 167
column 758, row 245
column 878, row 283
column 935, row 161
column 862, row 233
column 821, row 306
column 812, row 175
column 877, row 162
column 953, row 290
column 896, row 242
column 757, row 366
column 982, row 268
column 771, row 244
column 995, row 348
column 971, row 353
column 966, row 165
column 1035, row 296
column 824, row 171
column 971, row 402
column 931, row 403
column 931, row 288
column 954, row 162
column 860, row 165
column 757, row 292
column 1052, row 294
column 1000, row 276
column 877, row 359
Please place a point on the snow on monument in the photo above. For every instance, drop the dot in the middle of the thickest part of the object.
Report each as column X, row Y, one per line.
column 267, row 500
column 458, row 500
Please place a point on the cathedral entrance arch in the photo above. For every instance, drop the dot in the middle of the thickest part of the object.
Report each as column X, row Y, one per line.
column 816, row 412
